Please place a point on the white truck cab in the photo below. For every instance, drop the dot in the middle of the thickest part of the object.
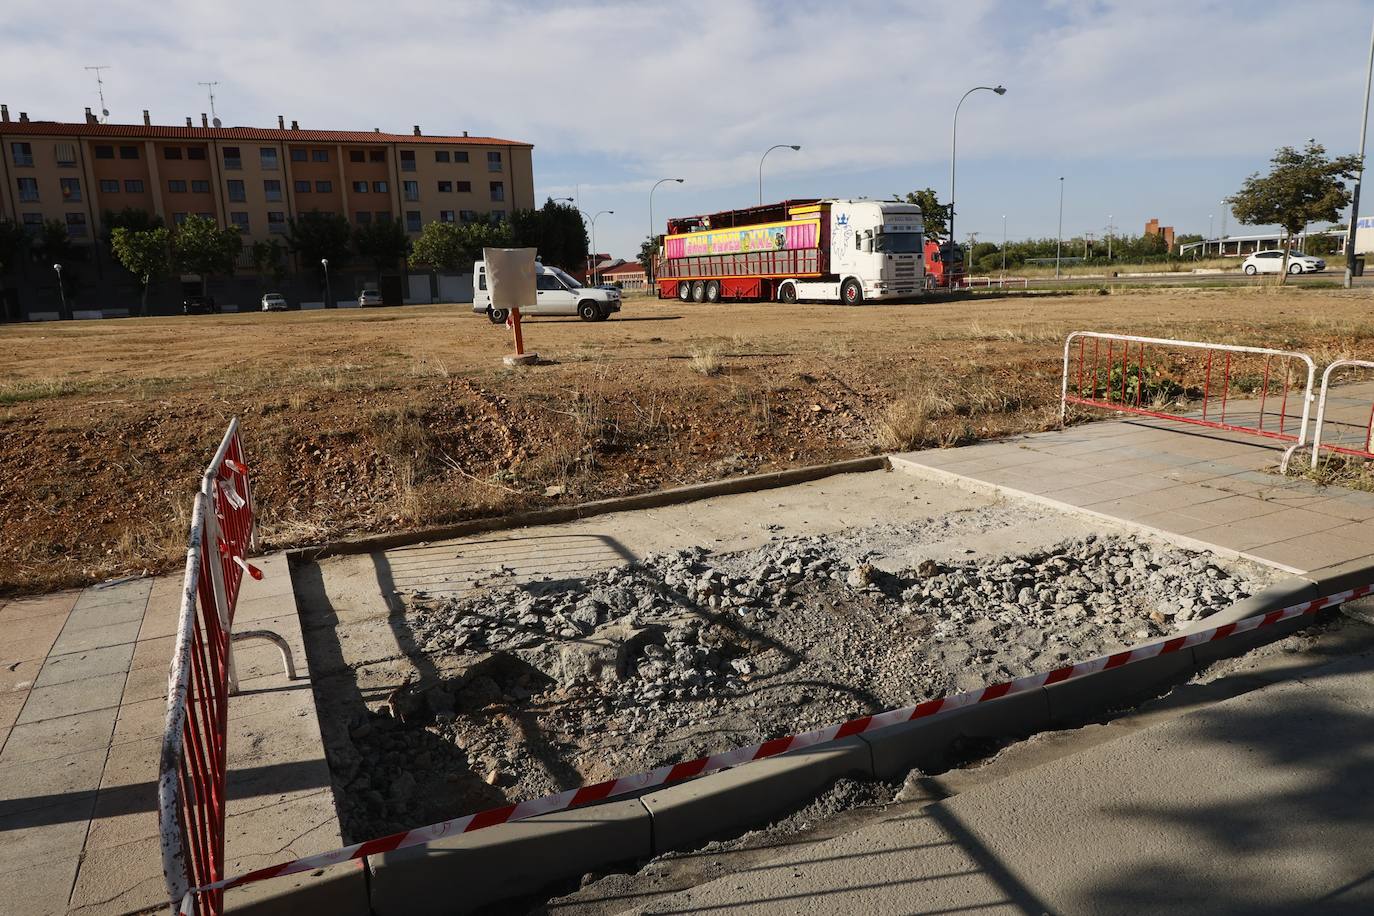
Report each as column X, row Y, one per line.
column 559, row 293
column 876, row 253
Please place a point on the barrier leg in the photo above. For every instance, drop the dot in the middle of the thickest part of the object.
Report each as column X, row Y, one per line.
column 287, row 659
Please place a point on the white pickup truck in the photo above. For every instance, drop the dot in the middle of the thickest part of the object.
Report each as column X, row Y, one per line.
column 559, row 293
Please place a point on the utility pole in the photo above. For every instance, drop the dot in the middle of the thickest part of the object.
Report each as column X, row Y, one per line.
column 1059, row 243
column 100, row 90
column 1359, row 178
column 1004, row 246
column 214, row 118
column 1110, row 227
column 999, row 89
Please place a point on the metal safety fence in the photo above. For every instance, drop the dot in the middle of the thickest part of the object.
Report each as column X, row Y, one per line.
column 192, row 764
column 1345, row 425
column 1253, row 390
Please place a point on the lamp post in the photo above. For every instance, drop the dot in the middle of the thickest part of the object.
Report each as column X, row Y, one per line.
column 1110, row 229
column 328, row 299
column 593, row 220
column 1059, row 243
column 652, row 234
column 792, row 146
column 954, row 145
column 1004, row 246
column 1359, row 177
column 61, row 291
column 1209, row 233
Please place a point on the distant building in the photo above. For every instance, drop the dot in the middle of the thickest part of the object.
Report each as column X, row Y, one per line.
column 1154, row 228
column 629, row 274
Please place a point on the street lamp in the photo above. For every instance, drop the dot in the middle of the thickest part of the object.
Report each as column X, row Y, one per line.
column 60, row 290
column 1359, row 177
column 593, row 220
column 652, row 234
column 953, row 146
column 328, row 303
column 791, row 146
column 1004, row 246
column 1110, row 229
column 1059, row 244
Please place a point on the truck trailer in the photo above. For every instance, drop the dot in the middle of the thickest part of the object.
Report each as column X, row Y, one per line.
column 847, row 251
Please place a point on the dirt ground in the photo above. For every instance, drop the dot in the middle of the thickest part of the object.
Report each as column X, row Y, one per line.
column 360, row 421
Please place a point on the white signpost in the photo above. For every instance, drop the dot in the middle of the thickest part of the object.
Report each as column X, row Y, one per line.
column 510, row 277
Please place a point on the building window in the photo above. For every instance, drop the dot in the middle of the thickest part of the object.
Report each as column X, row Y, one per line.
column 28, row 189
column 412, row 221
column 411, row 189
column 65, row 153
column 362, row 217
column 379, row 187
column 33, row 223
column 276, row 222
column 445, row 187
column 199, row 186
column 324, row 187
column 319, row 155
column 133, row 185
column 464, row 187
column 383, row 216
column 302, row 187
column 240, row 221
column 499, row 215
column 109, row 186
column 128, row 152
column 460, row 156
column 22, row 153
column 467, row 216
column 104, row 152
column 195, row 152
column 407, row 160
column 178, row 218
column 376, row 155
column 71, row 188
column 231, row 158
column 493, row 162
column 360, row 187
column 236, row 190
column 176, row 185
column 357, row 155
column 271, row 188
column 445, row 216
column 267, row 156
column 498, row 191
column 299, row 154
column 171, row 152
column 76, row 225
column 209, row 216
column 441, row 155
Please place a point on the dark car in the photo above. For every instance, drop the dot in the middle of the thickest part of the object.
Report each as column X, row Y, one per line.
column 199, row 305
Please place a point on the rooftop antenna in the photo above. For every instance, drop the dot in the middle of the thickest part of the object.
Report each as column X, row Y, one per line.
column 100, row 90
column 210, row 86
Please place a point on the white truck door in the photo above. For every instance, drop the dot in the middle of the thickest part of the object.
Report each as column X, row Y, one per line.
column 842, row 238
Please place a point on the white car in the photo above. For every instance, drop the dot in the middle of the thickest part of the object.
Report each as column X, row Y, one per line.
column 559, row 293
column 1271, row 262
column 274, row 302
column 369, row 297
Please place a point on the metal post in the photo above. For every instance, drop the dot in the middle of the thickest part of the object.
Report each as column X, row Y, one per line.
column 1110, row 227
column 1059, row 244
column 954, row 145
column 653, row 235
column 1004, row 246
column 61, row 292
column 791, row 146
column 328, row 299
column 1359, row 178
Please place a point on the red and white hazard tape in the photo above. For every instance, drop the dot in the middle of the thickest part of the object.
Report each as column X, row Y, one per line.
column 666, row 775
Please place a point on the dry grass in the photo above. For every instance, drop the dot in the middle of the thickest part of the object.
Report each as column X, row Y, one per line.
column 706, row 361
column 23, row 390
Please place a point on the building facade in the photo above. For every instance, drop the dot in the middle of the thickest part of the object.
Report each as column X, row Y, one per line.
column 254, row 178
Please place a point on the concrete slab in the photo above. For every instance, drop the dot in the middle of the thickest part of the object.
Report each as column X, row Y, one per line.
column 77, row 666
column 70, row 697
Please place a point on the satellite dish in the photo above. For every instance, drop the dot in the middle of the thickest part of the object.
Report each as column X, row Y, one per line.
column 105, row 112
column 218, row 122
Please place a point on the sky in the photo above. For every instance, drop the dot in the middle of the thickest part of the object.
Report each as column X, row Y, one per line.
column 1147, row 109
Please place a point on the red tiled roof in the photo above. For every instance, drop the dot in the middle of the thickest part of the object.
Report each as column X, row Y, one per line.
column 628, row 267
column 164, row 132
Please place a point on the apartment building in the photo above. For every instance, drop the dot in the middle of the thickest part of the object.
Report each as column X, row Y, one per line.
column 253, row 178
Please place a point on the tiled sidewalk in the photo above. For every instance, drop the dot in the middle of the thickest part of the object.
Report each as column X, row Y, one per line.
column 1182, row 481
column 82, row 706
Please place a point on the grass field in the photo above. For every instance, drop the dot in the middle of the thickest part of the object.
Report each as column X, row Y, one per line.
column 376, row 420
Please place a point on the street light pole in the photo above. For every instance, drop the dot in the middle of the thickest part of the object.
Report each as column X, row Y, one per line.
column 652, row 233
column 592, row 220
column 1209, row 234
column 1059, row 244
column 1110, row 228
column 954, row 143
column 791, row 146
column 1359, row 177
column 61, row 290
column 1004, row 246
column 328, row 299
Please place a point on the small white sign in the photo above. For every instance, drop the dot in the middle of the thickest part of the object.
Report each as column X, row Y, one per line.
column 510, row 277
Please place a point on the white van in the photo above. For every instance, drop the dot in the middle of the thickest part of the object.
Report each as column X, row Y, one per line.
column 559, row 294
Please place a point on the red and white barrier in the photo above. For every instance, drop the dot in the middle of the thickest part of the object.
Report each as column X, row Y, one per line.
column 666, row 775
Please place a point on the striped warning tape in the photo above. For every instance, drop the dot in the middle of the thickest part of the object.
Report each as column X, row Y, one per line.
column 666, row 775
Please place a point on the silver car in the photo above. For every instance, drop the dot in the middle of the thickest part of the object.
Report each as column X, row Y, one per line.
column 274, row 302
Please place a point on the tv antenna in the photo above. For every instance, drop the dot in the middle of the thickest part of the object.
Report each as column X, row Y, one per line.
column 100, row 90
column 210, row 86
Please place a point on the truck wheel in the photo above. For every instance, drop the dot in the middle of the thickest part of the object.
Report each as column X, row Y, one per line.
column 712, row 290
column 684, row 291
column 698, row 291
column 587, row 310
column 851, row 293
column 497, row 316
column 788, row 293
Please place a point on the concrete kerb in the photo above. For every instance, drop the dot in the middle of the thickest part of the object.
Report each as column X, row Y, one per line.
column 653, row 500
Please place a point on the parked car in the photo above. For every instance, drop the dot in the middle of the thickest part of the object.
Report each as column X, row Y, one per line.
column 1271, row 262
column 370, row 297
column 559, row 293
column 274, row 302
column 199, row 305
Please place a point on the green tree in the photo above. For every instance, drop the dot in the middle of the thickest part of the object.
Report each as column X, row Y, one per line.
column 316, row 236
column 144, row 253
column 269, row 259
column 383, row 244
column 647, row 249
column 53, row 245
column 199, row 246
column 131, row 218
column 454, row 246
column 13, row 242
column 934, row 214
column 1303, row 186
column 556, row 230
